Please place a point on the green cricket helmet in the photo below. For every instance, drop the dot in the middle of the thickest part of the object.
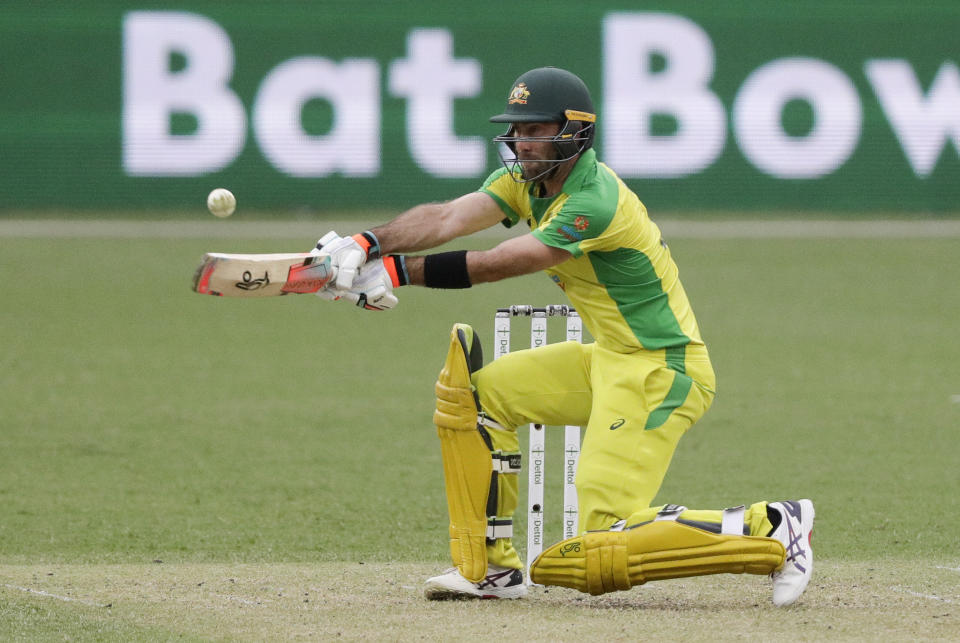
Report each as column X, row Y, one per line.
column 548, row 95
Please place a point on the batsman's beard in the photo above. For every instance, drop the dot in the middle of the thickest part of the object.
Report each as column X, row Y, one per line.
column 538, row 169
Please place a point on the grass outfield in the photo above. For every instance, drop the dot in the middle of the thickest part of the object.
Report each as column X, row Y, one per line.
column 288, row 444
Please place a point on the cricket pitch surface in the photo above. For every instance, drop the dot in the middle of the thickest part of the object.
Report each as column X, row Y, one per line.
column 892, row 600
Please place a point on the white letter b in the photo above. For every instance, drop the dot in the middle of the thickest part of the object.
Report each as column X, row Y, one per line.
column 152, row 93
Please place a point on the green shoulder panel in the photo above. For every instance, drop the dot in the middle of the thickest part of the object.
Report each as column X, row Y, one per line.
column 585, row 215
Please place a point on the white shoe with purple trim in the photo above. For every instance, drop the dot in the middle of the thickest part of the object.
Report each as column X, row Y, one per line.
column 794, row 531
column 500, row 582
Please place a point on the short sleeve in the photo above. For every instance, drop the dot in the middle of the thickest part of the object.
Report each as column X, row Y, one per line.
column 570, row 228
column 503, row 189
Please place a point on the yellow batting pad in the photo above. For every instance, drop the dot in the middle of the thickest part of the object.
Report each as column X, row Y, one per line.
column 456, row 407
column 467, row 465
column 605, row 561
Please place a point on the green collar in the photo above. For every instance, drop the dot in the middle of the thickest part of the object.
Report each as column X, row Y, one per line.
column 584, row 168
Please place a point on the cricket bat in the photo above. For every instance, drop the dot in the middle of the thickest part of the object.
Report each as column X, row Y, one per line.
column 261, row 275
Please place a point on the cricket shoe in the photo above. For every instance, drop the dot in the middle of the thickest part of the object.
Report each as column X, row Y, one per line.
column 794, row 531
column 500, row 582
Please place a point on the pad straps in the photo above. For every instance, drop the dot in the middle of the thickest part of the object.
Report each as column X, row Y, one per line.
column 503, row 464
column 670, row 512
column 499, row 528
column 732, row 524
column 506, row 462
column 731, row 521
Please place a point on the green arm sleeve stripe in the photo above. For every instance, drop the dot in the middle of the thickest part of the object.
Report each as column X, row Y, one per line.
column 675, row 397
column 632, row 282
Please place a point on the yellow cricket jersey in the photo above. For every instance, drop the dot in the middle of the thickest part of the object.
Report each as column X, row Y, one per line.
column 621, row 277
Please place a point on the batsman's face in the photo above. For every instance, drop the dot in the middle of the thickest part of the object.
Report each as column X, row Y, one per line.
column 534, row 154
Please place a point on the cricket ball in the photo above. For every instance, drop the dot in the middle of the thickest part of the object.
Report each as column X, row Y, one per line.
column 221, row 202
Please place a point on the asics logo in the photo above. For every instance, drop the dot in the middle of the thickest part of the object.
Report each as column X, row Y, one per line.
column 795, row 546
column 493, row 580
column 792, row 507
column 616, row 425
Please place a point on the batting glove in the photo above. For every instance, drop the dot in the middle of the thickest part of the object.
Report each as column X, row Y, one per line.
column 347, row 254
column 373, row 287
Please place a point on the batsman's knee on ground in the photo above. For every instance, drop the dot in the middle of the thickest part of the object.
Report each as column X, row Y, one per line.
column 753, row 522
column 604, row 561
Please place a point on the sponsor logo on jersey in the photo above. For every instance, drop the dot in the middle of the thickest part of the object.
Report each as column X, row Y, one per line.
column 519, row 94
column 581, row 223
column 571, row 234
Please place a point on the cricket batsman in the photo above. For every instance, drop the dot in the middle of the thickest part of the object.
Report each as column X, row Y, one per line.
column 643, row 382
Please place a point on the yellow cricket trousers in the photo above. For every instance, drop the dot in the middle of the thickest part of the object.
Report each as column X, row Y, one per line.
column 635, row 407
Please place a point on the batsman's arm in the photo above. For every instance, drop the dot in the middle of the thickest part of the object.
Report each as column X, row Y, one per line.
column 430, row 225
column 462, row 269
column 419, row 228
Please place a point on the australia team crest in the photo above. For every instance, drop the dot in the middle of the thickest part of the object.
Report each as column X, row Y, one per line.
column 519, row 94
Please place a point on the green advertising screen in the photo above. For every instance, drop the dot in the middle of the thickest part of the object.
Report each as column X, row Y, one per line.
column 741, row 106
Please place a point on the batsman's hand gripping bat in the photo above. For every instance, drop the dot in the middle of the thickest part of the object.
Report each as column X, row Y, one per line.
column 262, row 275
